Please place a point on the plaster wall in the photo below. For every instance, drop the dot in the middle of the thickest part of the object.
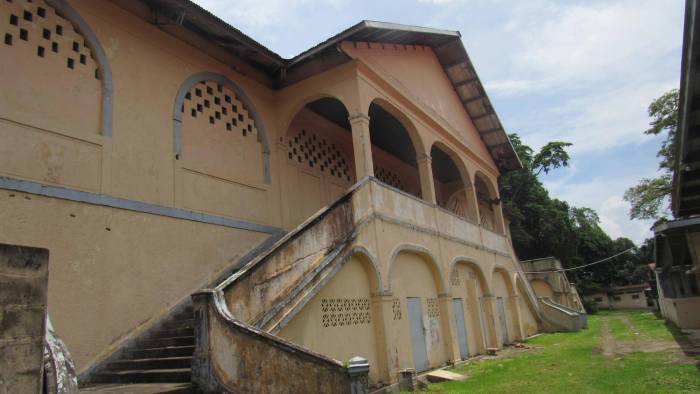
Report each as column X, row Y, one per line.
column 112, row 270
column 542, row 289
column 530, row 326
column 682, row 311
column 342, row 309
column 416, row 70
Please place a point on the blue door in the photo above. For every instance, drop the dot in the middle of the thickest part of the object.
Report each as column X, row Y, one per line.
column 460, row 324
column 415, row 317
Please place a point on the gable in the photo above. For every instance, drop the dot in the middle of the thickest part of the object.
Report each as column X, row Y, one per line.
column 418, row 71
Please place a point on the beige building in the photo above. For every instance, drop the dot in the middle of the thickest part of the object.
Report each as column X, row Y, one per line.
column 622, row 297
column 340, row 203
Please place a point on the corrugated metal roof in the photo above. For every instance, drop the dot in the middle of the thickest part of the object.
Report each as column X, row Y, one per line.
column 446, row 44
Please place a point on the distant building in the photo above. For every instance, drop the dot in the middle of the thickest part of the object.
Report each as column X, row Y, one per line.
column 622, row 297
column 677, row 242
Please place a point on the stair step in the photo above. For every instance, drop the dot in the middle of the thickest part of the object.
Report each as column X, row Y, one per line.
column 169, row 351
column 178, row 375
column 174, row 332
column 182, row 323
column 142, row 388
column 151, row 363
column 166, row 342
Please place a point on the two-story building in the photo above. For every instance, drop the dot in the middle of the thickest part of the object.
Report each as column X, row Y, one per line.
column 340, row 203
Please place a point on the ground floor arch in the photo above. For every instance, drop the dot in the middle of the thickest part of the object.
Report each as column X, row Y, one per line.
column 421, row 335
column 506, row 308
column 468, row 283
column 542, row 288
column 341, row 320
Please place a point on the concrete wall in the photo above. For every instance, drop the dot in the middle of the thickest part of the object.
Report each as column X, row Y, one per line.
column 23, row 289
column 683, row 312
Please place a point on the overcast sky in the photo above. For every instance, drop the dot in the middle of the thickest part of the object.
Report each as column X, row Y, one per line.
column 577, row 71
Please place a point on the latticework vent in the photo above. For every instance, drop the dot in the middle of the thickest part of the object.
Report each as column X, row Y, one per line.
column 433, row 307
column 339, row 312
column 220, row 107
column 35, row 27
column 396, row 308
column 389, row 177
column 313, row 152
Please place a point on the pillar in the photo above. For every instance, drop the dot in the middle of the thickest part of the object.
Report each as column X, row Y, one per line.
column 517, row 318
column 361, row 145
column 425, row 173
column 494, row 337
column 472, row 205
column 383, row 317
column 451, row 343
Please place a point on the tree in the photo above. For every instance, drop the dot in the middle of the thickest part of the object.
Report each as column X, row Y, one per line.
column 542, row 226
column 647, row 198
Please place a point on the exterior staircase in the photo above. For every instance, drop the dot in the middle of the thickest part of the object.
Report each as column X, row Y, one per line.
column 161, row 358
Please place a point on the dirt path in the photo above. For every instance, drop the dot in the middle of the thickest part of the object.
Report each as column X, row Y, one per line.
column 611, row 347
column 607, row 341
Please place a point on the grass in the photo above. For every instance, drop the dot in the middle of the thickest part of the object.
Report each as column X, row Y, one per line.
column 573, row 363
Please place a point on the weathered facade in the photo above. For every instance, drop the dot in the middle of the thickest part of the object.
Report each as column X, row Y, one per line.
column 622, row 297
column 155, row 150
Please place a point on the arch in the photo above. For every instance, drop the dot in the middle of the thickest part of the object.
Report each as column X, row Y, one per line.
column 223, row 80
column 520, row 284
column 489, row 204
column 300, row 104
column 370, row 263
column 485, row 284
column 97, row 58
column 397, row 149
column 427, row 255
column 405, row 121
column 448, row 168
column 501, row 270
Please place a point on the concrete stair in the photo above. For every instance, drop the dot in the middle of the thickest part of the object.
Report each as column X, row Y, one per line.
column 163, row 357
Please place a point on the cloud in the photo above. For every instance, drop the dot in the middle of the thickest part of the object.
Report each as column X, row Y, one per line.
column 565, row 45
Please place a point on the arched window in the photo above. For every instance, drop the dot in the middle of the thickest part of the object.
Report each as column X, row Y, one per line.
column 451, row 190
column 218, row 132
column 64, row 70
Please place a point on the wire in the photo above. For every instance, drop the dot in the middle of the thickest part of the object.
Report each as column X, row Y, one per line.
column 580, row 266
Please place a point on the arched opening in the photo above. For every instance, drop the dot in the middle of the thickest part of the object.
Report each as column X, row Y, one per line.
column 451, row 185
column 393, row 151
column 419, row 327
column 506, row 313
column 342, row 310
column 469, row 284
column 488, row 203
column 319, row 158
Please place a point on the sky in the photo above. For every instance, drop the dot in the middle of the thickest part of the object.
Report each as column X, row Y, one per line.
column 577, row 71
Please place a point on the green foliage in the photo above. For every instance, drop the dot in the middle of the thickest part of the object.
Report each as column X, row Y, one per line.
column 542, row 226
column 648, row 196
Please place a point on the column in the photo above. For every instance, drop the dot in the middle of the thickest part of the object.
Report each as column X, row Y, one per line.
column 425, row 172
column 494, row 337
column 447, row 326
column 518, row 322
column 361, row 145
column 383, row 317
column 472, row 205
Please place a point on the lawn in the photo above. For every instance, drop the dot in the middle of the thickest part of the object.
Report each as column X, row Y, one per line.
column 621, row 352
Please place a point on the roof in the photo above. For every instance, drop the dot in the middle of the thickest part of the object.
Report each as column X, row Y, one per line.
column 685, row 198
column 280, row 72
